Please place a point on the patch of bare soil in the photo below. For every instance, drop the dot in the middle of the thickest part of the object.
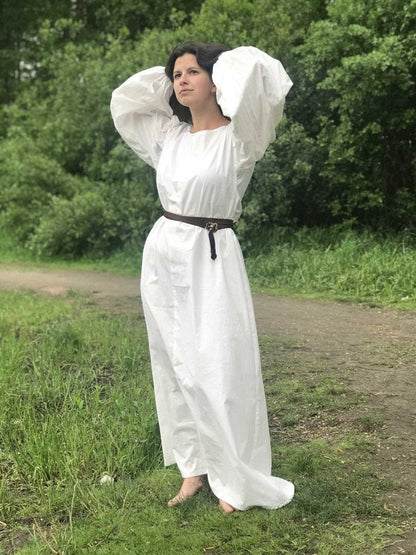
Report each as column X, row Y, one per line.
column 371, row 349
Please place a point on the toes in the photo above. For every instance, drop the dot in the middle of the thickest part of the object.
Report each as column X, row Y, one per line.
column 226, row 507
column 175, row 500
column 185, row 493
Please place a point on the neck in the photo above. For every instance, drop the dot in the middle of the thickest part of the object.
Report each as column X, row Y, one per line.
column 207, row 118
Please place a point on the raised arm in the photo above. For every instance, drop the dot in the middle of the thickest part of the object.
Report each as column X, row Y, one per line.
column 141, row 112
column 251, row 90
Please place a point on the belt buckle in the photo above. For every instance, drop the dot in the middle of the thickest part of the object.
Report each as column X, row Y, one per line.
column 211, row 226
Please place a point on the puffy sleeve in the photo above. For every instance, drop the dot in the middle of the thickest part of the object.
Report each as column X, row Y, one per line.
column 142, row 114
column 251, row 90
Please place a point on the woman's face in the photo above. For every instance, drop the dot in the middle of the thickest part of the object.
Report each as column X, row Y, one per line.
column 192, row 84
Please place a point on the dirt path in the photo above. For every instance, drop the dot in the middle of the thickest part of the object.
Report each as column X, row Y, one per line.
column 373, row 349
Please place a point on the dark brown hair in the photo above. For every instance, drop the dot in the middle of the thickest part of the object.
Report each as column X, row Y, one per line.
column 206, row 55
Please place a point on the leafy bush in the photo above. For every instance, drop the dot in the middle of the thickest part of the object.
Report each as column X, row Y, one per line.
column 28, row 181
column 105, row 217
column 72, row 227
column 90, row 223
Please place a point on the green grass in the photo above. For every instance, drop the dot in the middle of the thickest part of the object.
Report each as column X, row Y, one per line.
column 76, row 402
column 349, row 266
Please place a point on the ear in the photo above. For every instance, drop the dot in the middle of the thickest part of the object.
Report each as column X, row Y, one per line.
column 213, row 89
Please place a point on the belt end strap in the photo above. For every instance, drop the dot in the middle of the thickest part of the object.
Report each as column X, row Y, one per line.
column 212, row 228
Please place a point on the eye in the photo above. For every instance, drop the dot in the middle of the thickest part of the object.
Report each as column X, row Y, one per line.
column 193, row 71
column 176, row 75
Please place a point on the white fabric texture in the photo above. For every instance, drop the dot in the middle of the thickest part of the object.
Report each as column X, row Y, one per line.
column 199, row 313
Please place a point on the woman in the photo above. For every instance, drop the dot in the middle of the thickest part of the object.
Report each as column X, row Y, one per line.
column 196, row 298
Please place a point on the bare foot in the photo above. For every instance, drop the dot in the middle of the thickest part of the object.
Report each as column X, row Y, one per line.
column 189, row 488
column 226, row 507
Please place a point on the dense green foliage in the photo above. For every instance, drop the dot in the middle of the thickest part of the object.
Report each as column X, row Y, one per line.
column 343, row 154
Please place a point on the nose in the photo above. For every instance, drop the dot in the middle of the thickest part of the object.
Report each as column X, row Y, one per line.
column 183, row 79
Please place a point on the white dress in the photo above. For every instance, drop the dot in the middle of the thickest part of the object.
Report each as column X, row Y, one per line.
column 199, row 314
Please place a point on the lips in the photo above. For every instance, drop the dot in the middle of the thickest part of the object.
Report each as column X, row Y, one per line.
column 185, row 91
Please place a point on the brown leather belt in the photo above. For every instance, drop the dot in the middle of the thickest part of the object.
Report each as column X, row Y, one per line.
column 210, row 224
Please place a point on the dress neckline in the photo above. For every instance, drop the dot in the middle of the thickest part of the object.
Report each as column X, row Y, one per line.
column 207, row 130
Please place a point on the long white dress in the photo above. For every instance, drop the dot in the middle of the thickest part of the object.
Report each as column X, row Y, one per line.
column 199, row 314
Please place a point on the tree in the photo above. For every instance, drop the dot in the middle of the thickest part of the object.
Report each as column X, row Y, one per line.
column 20, row 21
column 343, row 153
column 357, row 101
